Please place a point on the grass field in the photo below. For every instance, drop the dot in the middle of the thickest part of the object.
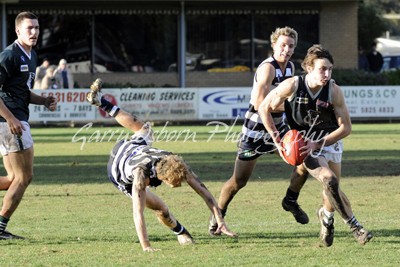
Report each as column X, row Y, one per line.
column 72, row 216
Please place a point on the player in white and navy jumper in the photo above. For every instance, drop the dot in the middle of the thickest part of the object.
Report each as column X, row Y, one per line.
column 255, row 140
column 128, row 155
column 135, row 165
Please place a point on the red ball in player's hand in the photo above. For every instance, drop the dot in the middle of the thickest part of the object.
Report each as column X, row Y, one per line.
column 292, row 142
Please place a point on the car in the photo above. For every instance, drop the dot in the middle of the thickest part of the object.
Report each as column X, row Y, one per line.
column 390, row 50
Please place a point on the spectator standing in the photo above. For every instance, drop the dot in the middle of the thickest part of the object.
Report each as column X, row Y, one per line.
column 63, row 76
column 49, row 81
column 375, row 59
column 362, row 59
column 40, row 73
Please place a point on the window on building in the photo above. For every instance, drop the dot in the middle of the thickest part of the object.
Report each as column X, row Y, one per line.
column 148, row 41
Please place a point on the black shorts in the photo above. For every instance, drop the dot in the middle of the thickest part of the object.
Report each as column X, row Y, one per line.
column 250, row 149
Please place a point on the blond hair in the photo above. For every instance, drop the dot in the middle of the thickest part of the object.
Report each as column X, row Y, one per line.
column 172, row 169
column 286, row 31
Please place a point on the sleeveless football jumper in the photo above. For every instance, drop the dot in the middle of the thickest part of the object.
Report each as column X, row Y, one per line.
column 255, row 139
column 313, row 114
column 129, row 155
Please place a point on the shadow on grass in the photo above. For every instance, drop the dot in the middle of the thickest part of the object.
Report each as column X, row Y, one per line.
column 282, row 239
column 209, row 167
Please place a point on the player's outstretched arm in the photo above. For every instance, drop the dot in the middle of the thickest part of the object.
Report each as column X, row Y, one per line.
column 138, row 206
column 202, row 190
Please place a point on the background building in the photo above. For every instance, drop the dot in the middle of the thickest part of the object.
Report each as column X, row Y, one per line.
column 181, row 43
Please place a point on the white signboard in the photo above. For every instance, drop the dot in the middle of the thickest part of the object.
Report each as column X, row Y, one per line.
column 154, row 104
column 223, row 103
column 71, row 106
column 180, row 104
column 372, row 101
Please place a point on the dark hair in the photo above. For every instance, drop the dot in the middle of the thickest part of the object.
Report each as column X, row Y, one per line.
column 24, row 15
column 315, row 52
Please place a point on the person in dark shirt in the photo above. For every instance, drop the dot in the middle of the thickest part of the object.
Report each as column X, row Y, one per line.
column 315, row 106
column 17, row 74
column 363, row 63
column 375, row 59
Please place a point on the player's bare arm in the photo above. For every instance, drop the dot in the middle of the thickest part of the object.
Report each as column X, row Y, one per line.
column 272, row 102
column 342, row 114
column 195, row 183
column 49, row 102
column 15, row 126
column 264, row 77
column 138, row 206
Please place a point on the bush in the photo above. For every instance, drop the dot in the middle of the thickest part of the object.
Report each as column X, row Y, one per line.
column 393, row 77
column 359, row 77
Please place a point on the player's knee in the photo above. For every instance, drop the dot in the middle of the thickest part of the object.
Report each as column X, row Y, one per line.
column 162, row 213
column 240, row 183
column 23, row 181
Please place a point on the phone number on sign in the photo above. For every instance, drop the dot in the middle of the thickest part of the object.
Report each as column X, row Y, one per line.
column 67, row 96
column 376, row 109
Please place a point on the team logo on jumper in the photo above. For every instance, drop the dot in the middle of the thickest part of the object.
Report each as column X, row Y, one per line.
column 23, row 58
column 302, row 100
column 312, row 118
column 323, row 104
column 24, row 68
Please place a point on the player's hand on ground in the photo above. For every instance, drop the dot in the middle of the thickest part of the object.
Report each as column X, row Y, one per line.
column 222, row 228
column 50, row 103
column 150, row 249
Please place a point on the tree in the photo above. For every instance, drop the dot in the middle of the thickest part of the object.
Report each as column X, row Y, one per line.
column 388, row 7
column 371, row 24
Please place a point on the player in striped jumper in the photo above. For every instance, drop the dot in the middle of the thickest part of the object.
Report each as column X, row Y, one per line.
column 255, row 141
column 135, row 165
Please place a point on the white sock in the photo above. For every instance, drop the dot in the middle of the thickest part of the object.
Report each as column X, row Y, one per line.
column 328, row 216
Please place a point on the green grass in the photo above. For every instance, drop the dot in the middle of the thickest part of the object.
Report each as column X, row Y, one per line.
column 72, row 216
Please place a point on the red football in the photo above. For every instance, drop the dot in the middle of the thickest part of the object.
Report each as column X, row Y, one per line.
column 292, row 142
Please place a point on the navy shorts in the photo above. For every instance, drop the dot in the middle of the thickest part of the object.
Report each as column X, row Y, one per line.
column 250, row 149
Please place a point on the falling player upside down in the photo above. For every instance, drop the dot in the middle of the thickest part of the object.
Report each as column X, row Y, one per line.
column 134, row 165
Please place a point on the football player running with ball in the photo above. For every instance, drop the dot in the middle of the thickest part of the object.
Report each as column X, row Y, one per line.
column 315, row 106
column 134, row 165
column 255, row 141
